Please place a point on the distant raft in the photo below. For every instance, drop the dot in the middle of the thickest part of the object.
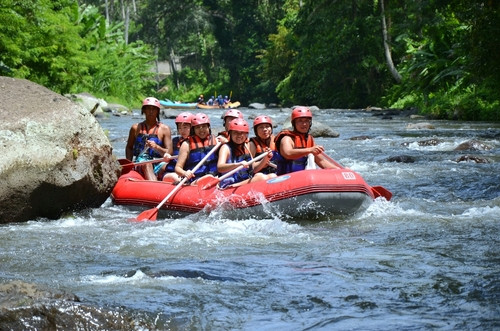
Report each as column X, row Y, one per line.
column 193, row 105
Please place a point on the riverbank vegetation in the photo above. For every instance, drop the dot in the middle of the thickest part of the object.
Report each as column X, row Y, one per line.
column 439, row 57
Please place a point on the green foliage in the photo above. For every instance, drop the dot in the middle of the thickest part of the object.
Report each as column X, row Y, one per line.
column 41, row 44
column 70, row 49
column 338, row 60
column 326, row 53
column 190, row 83
column 442, row 70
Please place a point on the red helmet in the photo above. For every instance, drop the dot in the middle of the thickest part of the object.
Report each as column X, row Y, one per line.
column 301, row 112
column 184, row 117
column 261, row 119
column 151, row 102
column 233, row 113
column 200, row 119
column 239, row 124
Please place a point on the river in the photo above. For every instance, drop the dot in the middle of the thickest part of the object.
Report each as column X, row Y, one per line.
column 428, row 259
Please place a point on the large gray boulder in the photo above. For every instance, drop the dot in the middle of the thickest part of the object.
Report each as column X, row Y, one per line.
column 54, row 155
column 318, row 129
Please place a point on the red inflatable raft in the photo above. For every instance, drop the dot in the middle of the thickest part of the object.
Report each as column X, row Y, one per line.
column 304, row 195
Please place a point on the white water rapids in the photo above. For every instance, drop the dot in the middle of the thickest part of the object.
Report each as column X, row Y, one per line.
column 428, row 259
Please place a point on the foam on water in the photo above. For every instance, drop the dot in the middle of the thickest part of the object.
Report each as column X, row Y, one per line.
column 482, row 212
column 138, row 277
column 426, row 259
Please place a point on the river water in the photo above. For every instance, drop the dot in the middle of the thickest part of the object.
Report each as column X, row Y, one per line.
column 428, row 259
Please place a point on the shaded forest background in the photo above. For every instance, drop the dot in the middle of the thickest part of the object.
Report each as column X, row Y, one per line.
column 441, row 57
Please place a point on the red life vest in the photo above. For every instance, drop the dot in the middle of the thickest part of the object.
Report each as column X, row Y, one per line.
column 198, row 149
column 260, row 146
column 299, row 141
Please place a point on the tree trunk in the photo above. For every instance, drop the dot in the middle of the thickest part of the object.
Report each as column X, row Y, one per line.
column 387, row 49
column 127, row 23
column 107, row 11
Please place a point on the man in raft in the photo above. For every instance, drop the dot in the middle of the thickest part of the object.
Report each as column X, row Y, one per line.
column 294, row 146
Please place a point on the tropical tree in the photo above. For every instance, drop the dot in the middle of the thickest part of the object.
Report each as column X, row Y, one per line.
column 446, row 67
column 70, row 49
column 39, row 42
column 339, row 55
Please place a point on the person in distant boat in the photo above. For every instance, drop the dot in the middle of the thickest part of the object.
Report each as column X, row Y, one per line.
column 166, row 170
column 263, row 142
column 148, row 139
column 294, row 146
column 226, row 101
column 236, row 153
column 227, row 117
column 201, row 100
column 220, row 101
column 199, row 143
column 210, row 101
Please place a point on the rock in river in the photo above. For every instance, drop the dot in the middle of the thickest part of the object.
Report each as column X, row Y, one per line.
column 55, row 156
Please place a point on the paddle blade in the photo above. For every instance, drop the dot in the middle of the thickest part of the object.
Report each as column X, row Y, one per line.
column 124, row 163
column 207, row 182
column 148, row 215
column 380, row 191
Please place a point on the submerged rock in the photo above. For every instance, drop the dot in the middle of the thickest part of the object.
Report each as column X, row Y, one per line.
column 471, row 158
column 420, row 126
column 27, row 306
column 360, row 138
column 401, row 159
column 473, row 145
column 427, row 142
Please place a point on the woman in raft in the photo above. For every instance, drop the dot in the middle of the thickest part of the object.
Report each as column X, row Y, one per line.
column 199, row 143
column 236, row 153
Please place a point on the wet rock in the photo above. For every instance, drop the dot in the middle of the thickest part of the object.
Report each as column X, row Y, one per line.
column 360, row 138
column 386, row 114
column 473, row 145
column 89, row 102
column 256, row 105
column 471, row 158
column 401, row 159
column 170, row 113
column 370, row 109
column 116, row 108
column 55, row 155
column 318, row 129
column 26, row 306
column 427, row 142
column 420, row 126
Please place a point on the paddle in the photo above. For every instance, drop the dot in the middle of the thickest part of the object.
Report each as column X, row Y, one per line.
column 209, row 182
column 378, row 191
column 125, row 163
column 151, row 214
